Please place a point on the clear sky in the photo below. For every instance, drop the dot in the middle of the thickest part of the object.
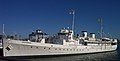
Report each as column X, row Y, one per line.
column 24, row 16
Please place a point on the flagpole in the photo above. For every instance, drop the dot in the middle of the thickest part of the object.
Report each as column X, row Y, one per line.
column 3, row 30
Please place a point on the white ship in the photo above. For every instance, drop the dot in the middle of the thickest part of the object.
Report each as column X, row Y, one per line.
column 63, row 43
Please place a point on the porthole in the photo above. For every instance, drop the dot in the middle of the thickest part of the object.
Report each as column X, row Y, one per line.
column 67, row 49
column 55, row 48
column 51, row 45
column 77, row 49
column 59, row 49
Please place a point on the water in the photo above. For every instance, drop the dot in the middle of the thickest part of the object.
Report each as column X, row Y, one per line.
column 108, row 56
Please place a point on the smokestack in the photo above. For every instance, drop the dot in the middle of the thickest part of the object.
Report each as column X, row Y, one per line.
column 92, row 35
column 84, row 34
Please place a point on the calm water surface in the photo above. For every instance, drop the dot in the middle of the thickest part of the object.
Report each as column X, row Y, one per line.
column 108, row 56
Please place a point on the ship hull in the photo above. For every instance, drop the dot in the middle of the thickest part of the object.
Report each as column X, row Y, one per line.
column 23, row 48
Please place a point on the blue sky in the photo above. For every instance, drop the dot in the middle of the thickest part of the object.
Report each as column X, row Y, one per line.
column 24, row 16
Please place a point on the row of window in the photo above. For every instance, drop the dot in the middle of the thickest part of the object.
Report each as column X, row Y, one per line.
column 65, row 49
column 62, row 49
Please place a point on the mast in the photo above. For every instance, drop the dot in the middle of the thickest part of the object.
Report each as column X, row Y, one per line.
column 101, row 30
column 101, row 27
column 73, row 23
column 73, row 19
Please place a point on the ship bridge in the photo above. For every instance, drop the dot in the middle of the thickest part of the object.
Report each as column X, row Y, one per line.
column 37, row 36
